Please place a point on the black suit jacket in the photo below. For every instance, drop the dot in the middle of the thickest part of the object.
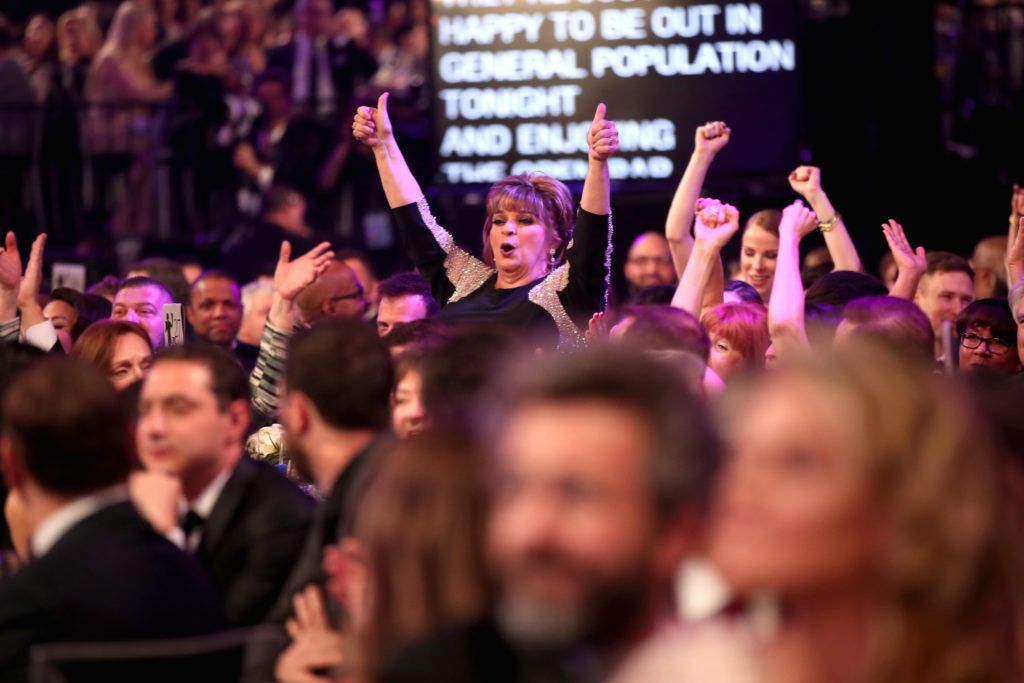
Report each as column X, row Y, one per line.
column 253, row 538
column 110, row 577
column 246, row 355
column 349, row 63
column 334, row 519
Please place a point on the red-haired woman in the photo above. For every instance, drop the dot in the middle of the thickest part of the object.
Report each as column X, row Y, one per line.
column 739, row 338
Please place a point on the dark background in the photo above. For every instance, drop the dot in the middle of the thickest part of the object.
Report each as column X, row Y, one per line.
column 893, row 139
column 911, row 115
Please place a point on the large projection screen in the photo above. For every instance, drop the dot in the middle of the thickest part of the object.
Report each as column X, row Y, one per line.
column 517, row 82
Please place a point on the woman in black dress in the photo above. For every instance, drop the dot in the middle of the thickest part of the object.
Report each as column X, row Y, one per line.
column 541, row 270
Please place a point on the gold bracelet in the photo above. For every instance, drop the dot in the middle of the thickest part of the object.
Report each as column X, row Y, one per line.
column 826, row 226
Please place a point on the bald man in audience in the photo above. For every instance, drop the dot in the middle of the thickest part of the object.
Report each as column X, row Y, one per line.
column 989, row 263
column 337, row 293
column 649, row 263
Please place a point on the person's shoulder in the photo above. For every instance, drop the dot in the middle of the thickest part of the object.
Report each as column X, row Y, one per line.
column 268, row 484
column 716, row 650
column 474, row 651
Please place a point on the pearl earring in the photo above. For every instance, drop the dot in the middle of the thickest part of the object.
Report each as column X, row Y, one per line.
column 552, row 253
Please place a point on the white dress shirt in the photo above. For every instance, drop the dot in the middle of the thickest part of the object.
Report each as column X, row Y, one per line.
column 203, row 506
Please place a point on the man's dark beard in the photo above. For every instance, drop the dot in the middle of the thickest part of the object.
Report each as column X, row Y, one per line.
column 607, row 616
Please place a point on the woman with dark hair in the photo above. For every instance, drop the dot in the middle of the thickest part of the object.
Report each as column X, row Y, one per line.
column 72, row 312
column 543, row 269
column 863, row 492
column 988, row 338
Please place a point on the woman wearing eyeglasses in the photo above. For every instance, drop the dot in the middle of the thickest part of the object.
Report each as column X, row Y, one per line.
column 988, row 338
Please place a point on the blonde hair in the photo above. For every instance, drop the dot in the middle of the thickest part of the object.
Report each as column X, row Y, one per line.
column 766, row 219
column 544, row 196
column 122, row 37
column 86, row 21
column 949, row 605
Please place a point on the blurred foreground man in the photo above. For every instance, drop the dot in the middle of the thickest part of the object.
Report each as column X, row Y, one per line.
column 602, row 464
column 98, row 570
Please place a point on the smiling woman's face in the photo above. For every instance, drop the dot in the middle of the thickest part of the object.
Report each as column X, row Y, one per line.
column 758, row 256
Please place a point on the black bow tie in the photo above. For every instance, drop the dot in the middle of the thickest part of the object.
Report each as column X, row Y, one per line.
column 191, row 522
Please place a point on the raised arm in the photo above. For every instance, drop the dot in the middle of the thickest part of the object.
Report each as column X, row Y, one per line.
column 714, row 226
column 372, row 127
column 1015, row 264
column 806, row 181
column 786, row 306
column 708, row 142
column 910, row 263
column 1015, row 254
column 603, row 140
column 290, row 278
column 10, row 278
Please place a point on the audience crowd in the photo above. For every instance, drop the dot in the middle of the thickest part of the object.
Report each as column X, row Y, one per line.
column 491, row 469
column 124, row 119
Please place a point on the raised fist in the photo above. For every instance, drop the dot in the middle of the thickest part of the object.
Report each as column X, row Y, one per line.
column 805, row 180
column 715, row 222
column 712, row 137
column 797, row 220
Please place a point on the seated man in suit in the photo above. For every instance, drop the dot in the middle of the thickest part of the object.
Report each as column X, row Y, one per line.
column 242, row 519
column 215, row 315
column 98, row 571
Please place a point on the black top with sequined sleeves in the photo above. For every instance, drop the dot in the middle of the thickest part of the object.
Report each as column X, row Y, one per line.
column 556, row 306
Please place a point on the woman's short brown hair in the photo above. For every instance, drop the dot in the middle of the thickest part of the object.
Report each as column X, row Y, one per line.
column 543, row 195
column 744, row 326
column 96, row 345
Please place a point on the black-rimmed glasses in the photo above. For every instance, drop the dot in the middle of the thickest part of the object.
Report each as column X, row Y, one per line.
column 996, row 346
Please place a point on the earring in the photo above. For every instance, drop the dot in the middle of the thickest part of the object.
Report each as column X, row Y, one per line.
column 552, row 253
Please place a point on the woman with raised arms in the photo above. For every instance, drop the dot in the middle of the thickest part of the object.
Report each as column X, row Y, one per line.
column 543, row 270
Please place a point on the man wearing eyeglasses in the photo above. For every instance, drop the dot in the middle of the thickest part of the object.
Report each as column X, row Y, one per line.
column 988, row 338
column 313, row 287
column 649, row 263
column 336, row 294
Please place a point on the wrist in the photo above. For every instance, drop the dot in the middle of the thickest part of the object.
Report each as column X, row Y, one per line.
column 818, row 200
column 702, row 156
column 8, row 304
column 387, row 149
column 281, row 312
column 788, row 236
column 704, row 248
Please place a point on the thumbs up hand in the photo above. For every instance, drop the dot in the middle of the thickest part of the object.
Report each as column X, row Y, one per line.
column 371, row 125
column 603, row 137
